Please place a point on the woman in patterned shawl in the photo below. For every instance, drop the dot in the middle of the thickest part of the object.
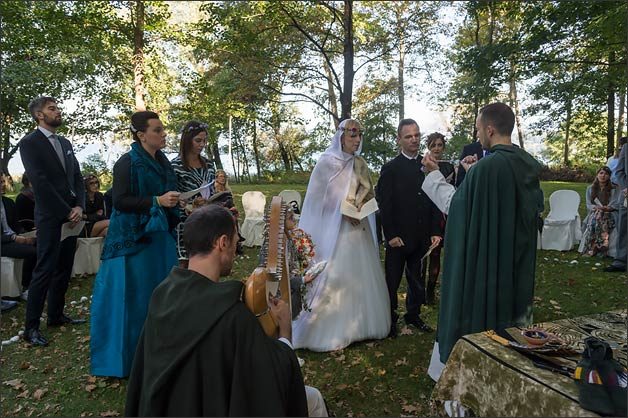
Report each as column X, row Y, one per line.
column 193, row 171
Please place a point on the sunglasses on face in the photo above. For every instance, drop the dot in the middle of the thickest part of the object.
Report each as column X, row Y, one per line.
column 353, row 132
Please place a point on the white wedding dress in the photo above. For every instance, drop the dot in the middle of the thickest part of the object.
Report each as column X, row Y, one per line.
column 353, row 305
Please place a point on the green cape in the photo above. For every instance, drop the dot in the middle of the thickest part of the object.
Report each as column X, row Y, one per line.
column 203, row 353
column 490, row 247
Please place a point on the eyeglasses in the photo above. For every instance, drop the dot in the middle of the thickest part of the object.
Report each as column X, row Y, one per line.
column 353, row 131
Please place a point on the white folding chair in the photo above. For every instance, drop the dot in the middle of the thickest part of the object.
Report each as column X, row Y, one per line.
column 252, row 228
column 561, row 229
column 11, row 277
column 292, row 197
column 87, row 256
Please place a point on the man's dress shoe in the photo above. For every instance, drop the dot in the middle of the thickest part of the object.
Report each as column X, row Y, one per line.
column 613, row 269
column 8, row 305
column 65, row 320
column 35, row 338
column 393, row 331
column 420, row 325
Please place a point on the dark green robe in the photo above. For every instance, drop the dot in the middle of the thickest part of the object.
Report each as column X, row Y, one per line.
column 490, row 247
column 203, row 353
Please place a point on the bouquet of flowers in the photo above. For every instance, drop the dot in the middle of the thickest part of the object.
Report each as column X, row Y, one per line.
column 304, row 246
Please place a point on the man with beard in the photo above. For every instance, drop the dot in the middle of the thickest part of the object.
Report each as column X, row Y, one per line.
column 202, row 352
column 59, row 191
column 490, row 237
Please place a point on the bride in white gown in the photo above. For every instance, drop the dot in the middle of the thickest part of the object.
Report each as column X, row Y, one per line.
column 349, row 300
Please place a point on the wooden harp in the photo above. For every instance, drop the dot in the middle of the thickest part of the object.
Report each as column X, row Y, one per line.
column 274, row 273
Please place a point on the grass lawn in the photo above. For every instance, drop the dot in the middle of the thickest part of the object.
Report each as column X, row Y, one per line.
column 386, row 377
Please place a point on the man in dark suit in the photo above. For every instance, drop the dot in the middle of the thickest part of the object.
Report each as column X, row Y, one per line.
column 14, row 245
column 410, row 221
column 57, row 182
column 474, row 148
column 621, row 259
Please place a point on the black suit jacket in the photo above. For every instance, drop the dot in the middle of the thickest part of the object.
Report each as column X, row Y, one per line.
column 56, row 191
column 9, row 208
column 405, row 210
column 474, row 148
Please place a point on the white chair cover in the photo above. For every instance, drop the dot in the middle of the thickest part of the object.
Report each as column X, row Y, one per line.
column 11, row 277
column 252, row 228
column 289, row 196
column 87, row 256
column 561, row 229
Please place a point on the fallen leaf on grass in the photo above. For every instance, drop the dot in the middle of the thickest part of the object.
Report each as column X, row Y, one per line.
column 91, row 379
column 342, row 386
column 402, row 362
column 25, row 365
column 340, row 358
column 110, row 414
column 406, row 331
column 381, row 372
column 39, row 393
column 90, row 388
column 23, row 394
column 370, row 345
column 15, row 384
column 409, row 408
column 379, row 354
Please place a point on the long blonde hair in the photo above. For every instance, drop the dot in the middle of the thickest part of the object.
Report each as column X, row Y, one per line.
column 218, row 187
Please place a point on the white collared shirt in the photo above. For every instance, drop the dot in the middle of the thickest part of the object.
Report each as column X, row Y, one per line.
column 49, row 135
column 410, row 157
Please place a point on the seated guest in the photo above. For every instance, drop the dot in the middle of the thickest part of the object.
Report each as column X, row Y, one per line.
column 602, row 201
column 202, row 352
column 108, row 198
column 25, row 205
column 94, row 215
column 14, row 245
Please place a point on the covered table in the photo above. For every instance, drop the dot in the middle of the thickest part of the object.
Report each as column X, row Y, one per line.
column 491, row 379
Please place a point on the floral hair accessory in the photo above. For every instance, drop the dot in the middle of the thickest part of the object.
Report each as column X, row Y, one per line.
column 353, row 131
column 195, row 127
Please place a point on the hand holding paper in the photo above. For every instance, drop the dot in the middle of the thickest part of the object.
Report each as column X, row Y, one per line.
column 351, row 211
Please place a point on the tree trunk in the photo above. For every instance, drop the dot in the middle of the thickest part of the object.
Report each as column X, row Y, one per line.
column 333, row 101
column 215, row 151
column 514, row 102
column 256, row 151
column 401, row 94
column 622, row 114
column 346, row 94
column 476, row 109
column 138, row 56
column 284, row 155
column 567, row 129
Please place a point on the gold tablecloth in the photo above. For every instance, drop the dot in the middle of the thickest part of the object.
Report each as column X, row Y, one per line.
column 493, row 380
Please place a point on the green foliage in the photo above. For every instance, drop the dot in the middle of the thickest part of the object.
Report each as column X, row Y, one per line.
column 95, row 164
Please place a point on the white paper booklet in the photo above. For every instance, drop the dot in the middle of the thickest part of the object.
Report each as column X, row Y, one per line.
column 352, row 212
column 316, row 269
column 597, row 202
column 203, row 190
column 67, row 230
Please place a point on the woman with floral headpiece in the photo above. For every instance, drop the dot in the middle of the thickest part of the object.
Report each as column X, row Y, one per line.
column 193, row 170
column 139, row 250
column 349, row 300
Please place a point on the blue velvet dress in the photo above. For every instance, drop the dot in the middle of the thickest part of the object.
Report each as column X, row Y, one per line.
column 139, row 253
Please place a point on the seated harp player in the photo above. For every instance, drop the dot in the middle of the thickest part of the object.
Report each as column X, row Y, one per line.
column 272, row 276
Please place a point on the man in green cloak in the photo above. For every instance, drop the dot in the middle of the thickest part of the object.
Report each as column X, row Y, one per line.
column 202, row 352
column 490, row 237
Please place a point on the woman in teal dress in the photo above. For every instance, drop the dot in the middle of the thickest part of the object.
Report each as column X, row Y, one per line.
column 139, row 249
